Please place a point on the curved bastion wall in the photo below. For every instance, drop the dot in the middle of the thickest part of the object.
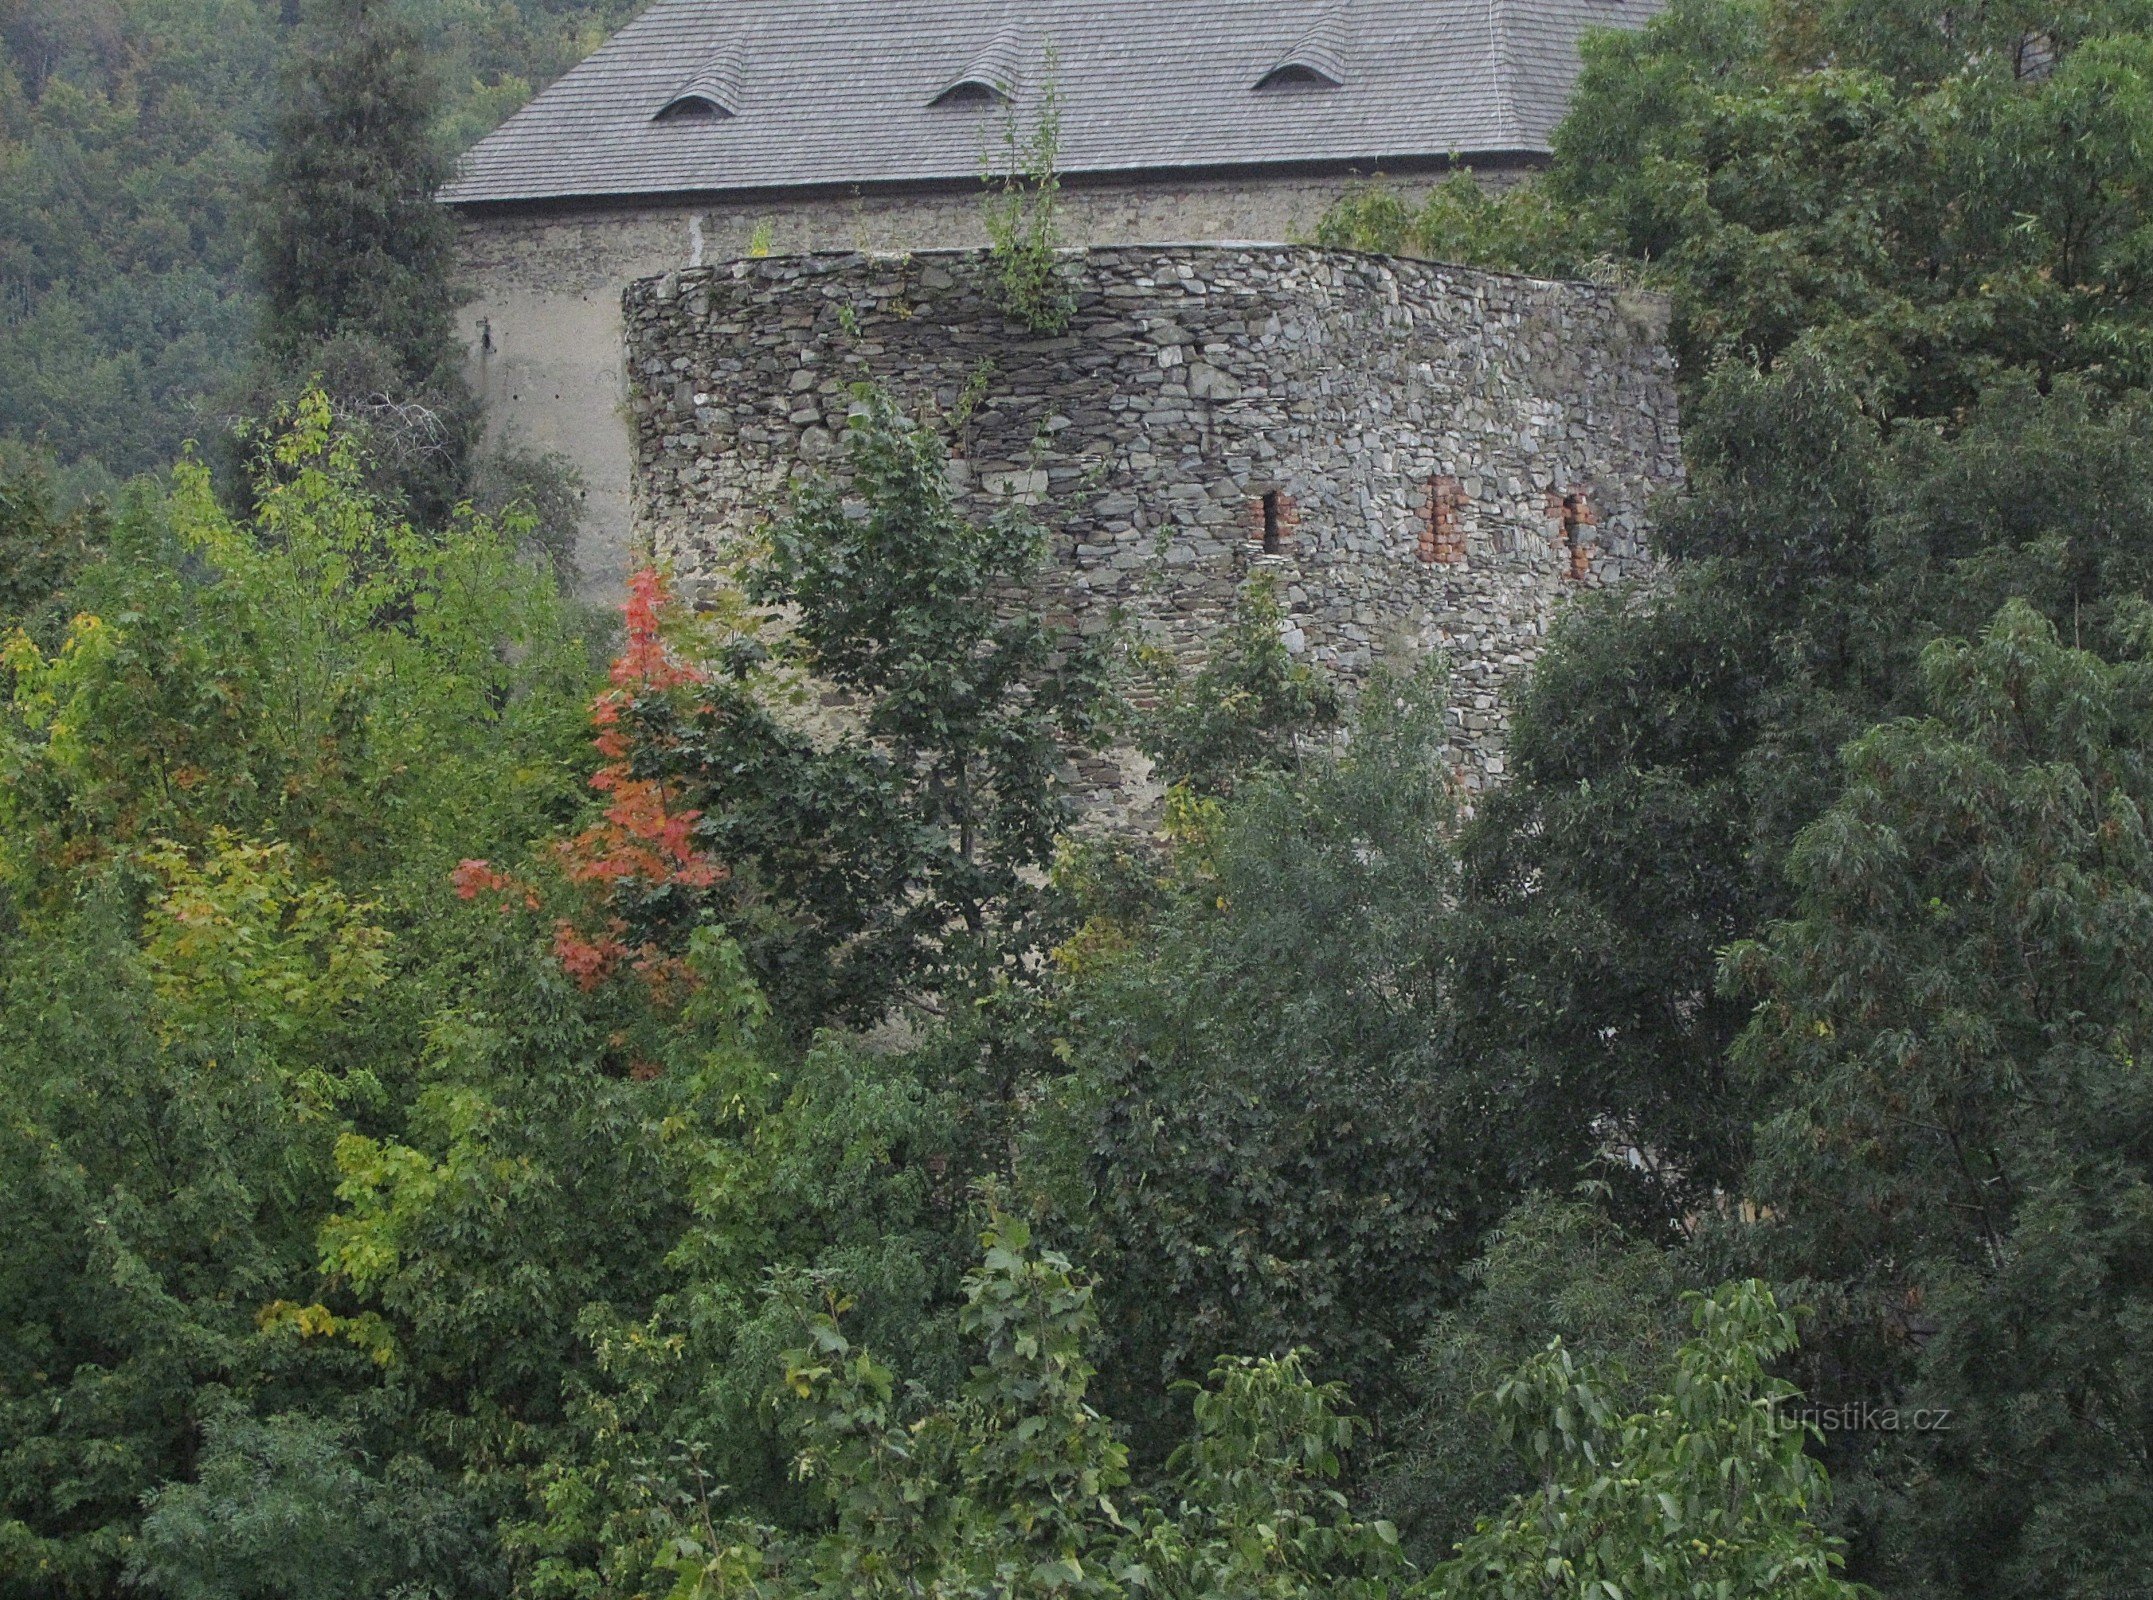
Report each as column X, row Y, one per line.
column 1429, row 458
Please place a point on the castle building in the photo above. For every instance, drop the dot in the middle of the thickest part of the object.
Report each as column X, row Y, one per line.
column 712, row 131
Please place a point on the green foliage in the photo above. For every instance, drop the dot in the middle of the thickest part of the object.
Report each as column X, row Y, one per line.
column 158, row 1194
column 1954, row 1026
column 1007, row 1489
column 1248, row 709
column 901, row 849
column 634, row 1341
column 380, row 699
column 1040, row 1464
column 354, row 258
column 1276, row 1144
column 411, row 1187
column 1550, row 1269
column 1018, row 212
column 345, row 1202
column 1254, row 1508
column 1902, row 250
column 1928, row 202
column 235, row 790
column 237, row 937
column 976, row 703
column 1010, row 1487
column 133, row 137
column 1706, row 1493
column 42, row 552
column 128, row 135
column 426, row 1201
column 281, row 1509
column 1670, row 747
column 1521, row 228
column 352, row 245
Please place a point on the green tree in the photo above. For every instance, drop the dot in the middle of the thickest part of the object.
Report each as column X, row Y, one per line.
column 159, row 1194
column 1006, row 1489
column 355, row 258
column 1708, row 1492
column 130, row 134
column 236, row 787
column 382, row 699
column 895, row 851
column 1551, row 1268
column 561, row 1255
column 1670, row 746
column 1248, row 709
column 42, row 552
column 1267, row 1130
column 1928, row 201
column 1019, row 210
column 975, row 700
column 1253, row 1505
column 1016, row 1486
column 282, row 1508
column 134, row 135
column 352, row 245
column 1950, row 1035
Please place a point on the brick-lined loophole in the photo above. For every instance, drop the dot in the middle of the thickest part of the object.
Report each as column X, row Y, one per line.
column 1269, row 521
column 1442, row 529
column 1574, row 511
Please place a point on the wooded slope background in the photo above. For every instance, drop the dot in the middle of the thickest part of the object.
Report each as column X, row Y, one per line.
column 133, row 137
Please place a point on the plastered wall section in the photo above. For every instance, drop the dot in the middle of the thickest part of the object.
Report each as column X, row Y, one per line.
column 1428, row 458
column 544, row 332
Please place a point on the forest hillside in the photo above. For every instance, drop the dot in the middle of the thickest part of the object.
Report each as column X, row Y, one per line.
column 134, row 137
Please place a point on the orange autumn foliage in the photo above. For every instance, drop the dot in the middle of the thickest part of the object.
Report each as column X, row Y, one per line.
column 473, row 877
column 642, row 843
column 643, row 840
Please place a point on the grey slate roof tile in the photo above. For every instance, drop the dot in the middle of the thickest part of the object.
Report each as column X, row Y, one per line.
column 838, row 92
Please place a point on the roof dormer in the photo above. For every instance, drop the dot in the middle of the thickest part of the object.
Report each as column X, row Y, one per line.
column 710, row 94
column 1317, row 59
column 691, row 107
column 990, row 76
column 1298, row 75
column 972, row 91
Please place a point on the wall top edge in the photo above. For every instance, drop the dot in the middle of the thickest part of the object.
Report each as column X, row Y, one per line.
column 824, row 262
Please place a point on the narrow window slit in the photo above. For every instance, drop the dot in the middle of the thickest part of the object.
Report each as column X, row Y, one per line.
column 1442, row 532
column 1576, row 515
column 1271, row 534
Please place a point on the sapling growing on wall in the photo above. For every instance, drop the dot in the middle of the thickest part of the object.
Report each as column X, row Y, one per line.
column 1019, row 210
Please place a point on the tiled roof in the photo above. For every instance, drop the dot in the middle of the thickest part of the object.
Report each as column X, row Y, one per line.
column 841, row 92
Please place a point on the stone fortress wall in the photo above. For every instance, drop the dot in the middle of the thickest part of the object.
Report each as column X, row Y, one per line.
column 1429, row 458
column 543, row 322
